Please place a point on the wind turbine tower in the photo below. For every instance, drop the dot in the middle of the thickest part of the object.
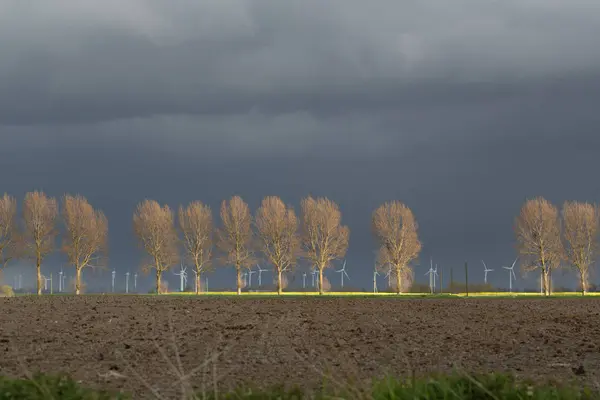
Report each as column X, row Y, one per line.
column 431, row 273
column 260, row 271
column 304, row 280
column 60, row 281
column 485, row 272
column 114, row 274
column 511, row 274
column 342, row 273
column 135, row 281
column 250, row 272
column 127, row 282
column 182, row 277
column 375, row 275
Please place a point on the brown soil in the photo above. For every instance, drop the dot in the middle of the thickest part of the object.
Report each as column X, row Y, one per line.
column 127, row 343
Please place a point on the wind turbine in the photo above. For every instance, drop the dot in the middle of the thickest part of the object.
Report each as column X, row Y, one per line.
column 431, row 273
column 135, row 281
column 260, row 271
column 485, row 272
column 46, row 280
column 511, row 274
column 245, row 278
column 343, row 272
column 114, row 273
column 304, row 280
column 375, row 274
column 127, row 282
column 182, row 277
column 250, row 272
column 389, row 276
column 314, row 276
column 60, row 281
column 195, row 280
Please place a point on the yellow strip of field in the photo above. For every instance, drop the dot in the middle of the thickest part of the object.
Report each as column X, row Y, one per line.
column 479, row 294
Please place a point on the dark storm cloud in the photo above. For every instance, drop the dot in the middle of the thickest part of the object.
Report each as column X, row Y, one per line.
column 98, row 61
column 461, row 109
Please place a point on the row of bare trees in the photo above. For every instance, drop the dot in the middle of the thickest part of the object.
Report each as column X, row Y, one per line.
column 274, row 233
column 548, row 238
column 33, row 236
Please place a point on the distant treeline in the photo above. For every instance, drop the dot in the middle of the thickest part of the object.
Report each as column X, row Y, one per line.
column 276, row 235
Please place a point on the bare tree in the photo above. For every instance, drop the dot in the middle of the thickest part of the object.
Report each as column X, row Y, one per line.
column 39, row 215
column 395, row 228
column 580, row 225
column 537, row 230
column 324, row 239
column 85, row 242
column 277, row 228
column 10, row 240
column 235, row 236
column 196, row 224
column 155, row 230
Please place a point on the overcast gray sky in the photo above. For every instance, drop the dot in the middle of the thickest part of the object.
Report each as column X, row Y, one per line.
column 460, row 109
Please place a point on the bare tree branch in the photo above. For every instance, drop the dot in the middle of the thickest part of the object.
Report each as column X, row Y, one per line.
column 39, row 215
column 10, row 239
column 277, row 228
column 155, row 230
column 196, row 225
column 235, row 236
column 86, row 235
column 324, row 239
column 581, row 223
column 395, row 228
column 537, row 229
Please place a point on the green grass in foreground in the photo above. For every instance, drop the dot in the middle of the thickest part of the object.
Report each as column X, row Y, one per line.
column 455, row 387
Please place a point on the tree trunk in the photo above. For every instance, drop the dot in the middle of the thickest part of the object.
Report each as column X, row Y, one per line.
column 239, row 280
column 198, row 282
column 320, row 280
column 583, row 282
column 77, row 280
column 398, row 281
column 158, row 281
column 279, row 289
column 38, row 266
column 546, row 281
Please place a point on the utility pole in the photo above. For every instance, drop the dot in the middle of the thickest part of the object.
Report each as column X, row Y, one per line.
column 467, row 278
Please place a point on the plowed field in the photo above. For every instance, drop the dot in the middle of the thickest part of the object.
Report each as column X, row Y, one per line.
column 144, row 343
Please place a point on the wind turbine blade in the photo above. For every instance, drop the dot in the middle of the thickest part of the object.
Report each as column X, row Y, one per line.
column 513, row 264
column 344, row 267
column 484, row 266
column 345, row 273
column 513, row 272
